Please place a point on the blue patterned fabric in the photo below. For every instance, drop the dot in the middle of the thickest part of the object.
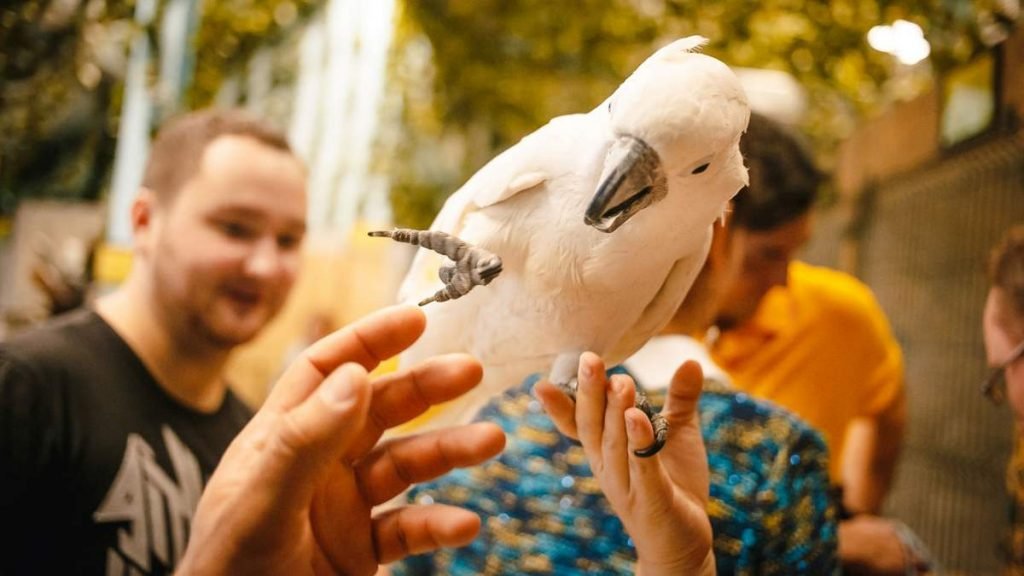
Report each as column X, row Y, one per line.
column 544, row 513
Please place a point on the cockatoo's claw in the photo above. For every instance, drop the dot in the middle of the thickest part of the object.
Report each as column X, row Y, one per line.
column 568, row 388
column 446, row 273
column 658, row 422
column 471, row 267
column 660, row 435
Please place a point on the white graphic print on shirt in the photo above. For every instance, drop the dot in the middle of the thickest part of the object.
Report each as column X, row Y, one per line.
column 158, row 511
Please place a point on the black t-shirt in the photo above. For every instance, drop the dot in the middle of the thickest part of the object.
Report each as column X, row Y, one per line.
column 100, row 470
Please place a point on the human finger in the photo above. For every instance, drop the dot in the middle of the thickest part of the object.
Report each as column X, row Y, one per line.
column 647, row 474
column 405, row 394
column 409, row 530
column 318, row 431
column 367, row 342
column 400, row 396
column 396, row 464
column 614, row 444
column 591, row 397
column 683, row 457
column 683, row 393
column 638, row 430
column 559, row 407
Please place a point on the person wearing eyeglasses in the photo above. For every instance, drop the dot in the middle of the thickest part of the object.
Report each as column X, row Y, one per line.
column 1003, row 328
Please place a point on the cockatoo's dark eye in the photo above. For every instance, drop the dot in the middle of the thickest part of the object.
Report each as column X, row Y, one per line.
column 700, row 169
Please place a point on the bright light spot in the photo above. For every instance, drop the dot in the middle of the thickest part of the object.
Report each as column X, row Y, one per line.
column 881, row 38
column 904, row 40
column 774, row 93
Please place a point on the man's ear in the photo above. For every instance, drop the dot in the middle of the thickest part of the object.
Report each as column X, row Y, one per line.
column 143, row 216
column 720, row 242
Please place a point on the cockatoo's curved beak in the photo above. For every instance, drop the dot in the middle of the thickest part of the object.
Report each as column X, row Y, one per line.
column 633, row 179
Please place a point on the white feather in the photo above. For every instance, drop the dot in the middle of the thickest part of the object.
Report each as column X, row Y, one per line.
column 565, row 286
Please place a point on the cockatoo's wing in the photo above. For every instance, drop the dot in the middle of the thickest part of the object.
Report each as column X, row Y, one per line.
column 524, row 166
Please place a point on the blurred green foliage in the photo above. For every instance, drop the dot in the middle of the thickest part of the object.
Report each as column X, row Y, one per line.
column 57, row 102
column 473, row 76
column 231, row 31
column 62, row 66
column 505, row 68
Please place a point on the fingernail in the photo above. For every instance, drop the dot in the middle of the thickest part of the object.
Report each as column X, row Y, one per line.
column 339, row 387
column 631, row 428
column 586, row 370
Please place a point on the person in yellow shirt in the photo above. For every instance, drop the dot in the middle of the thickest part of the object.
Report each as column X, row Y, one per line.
column 812, row 340
column 821, row 346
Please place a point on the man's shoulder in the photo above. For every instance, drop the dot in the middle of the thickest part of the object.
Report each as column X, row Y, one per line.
column 57, row 341
column 830, row 285
column 837, row 295
column 236, row 409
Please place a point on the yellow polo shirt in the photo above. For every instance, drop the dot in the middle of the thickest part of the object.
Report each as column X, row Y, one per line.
column 821, row 347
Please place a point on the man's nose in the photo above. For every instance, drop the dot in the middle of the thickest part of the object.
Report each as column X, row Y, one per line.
column 265, row 259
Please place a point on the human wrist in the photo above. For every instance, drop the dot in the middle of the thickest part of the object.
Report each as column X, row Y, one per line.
column 696, row 567
column 189, row 567
column 224, row 557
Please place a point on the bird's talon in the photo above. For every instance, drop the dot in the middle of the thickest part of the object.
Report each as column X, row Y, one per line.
column 568, row 388
column 471, row 266
column 653, row 449
column 658, row 422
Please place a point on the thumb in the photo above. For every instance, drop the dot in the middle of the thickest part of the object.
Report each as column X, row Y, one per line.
column 683, row 393
column 319, row 430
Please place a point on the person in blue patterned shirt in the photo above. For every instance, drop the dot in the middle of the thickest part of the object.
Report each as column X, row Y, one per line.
column 544, row 512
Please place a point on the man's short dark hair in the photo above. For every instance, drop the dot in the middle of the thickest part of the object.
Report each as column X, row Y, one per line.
column 178, row 148
column 1006, row 268
column 784, row 181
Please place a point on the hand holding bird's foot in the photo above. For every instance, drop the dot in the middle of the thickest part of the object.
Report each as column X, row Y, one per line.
column 564, row 377
column 671, row 487
column 658, row 422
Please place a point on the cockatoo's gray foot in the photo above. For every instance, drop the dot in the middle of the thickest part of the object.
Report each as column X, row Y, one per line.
column 563, row 377
column 568, row 388
column 658, row 421
column 471, row 266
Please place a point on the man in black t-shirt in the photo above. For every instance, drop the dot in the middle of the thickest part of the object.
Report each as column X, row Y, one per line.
column 112, row 420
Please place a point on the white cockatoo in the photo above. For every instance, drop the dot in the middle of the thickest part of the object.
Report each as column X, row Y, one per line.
column 589, row 231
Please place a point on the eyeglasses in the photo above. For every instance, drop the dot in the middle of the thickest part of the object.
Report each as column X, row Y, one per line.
column 994, row 387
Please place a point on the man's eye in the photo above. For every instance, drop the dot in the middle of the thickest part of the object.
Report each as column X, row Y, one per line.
column 236, row 230
column 289, row 241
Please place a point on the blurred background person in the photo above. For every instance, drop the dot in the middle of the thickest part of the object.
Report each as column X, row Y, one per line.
column 111, row 419
column 815, row 341
column 810, row 339
column 1003, row 329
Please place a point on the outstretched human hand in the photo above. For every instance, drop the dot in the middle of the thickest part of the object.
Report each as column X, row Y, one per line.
column 877, row 546
column 661, row 500
column 295, row 492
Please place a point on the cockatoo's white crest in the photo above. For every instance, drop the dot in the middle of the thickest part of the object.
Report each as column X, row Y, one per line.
column 688, row 44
